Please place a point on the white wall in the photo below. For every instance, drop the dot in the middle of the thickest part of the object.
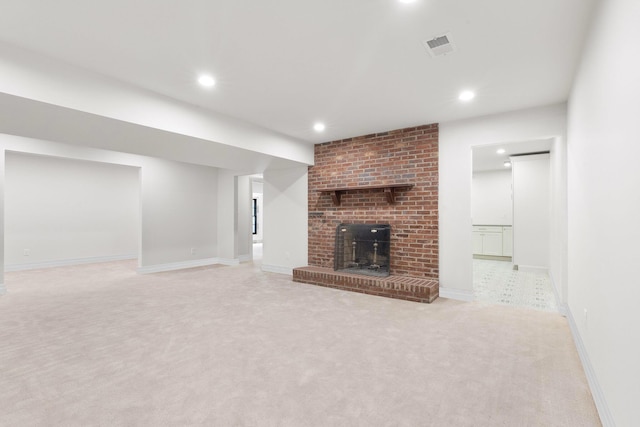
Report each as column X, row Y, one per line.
column 244, row 235
column 456, row 140
column 285, row 219
column 531, row 211
column 491, row 198
column 227, row 219
column 61, row 209
column 179, row 212
column 558, row 231
column 604, row 206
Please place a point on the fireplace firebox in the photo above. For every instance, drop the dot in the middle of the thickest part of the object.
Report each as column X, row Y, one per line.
column 363, row 249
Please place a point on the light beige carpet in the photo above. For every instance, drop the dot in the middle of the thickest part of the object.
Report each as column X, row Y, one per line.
column 233, row 346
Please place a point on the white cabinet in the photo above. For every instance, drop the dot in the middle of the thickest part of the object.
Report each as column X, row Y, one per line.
column 492, row 240
column 492, row 244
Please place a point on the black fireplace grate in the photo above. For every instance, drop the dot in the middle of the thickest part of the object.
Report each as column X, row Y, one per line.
column 363, row 249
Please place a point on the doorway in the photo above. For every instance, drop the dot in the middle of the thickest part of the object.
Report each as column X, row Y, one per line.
column 257, row 194
column 509, row 264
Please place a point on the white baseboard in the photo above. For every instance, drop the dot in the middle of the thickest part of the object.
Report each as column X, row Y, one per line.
column 457, row 294
column 277, row 269
column 594, row 385
column 67, row 262
column 177, row 265
column 227, row 261
column 245, row 257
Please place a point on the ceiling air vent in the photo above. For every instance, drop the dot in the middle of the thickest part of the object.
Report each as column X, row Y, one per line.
column 439, row 45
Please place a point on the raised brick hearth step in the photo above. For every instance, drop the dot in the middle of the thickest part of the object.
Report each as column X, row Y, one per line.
column 400, row 287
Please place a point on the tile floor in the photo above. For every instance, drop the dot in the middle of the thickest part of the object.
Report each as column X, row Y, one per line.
column 498, row 283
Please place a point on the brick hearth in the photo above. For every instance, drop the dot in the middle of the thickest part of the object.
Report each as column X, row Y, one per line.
column 400, row 287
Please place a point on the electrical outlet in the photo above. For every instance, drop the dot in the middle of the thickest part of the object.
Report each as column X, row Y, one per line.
column 25, row 252
column 193, row 251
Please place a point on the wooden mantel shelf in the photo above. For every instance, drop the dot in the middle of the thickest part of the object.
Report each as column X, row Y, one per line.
column 389, row 191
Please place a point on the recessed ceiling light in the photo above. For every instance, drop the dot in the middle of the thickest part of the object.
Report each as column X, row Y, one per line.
column 319, row 127
column 501, row 151
column 466, row 95
column 507, row 164
column 206, row 80
column 407, row 1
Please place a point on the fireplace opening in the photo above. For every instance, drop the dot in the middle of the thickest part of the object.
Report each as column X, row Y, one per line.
column 363, row 249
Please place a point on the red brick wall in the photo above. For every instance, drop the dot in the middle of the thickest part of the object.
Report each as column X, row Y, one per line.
column 403, row 156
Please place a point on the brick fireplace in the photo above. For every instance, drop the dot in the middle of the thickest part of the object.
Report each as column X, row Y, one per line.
column 383, row 178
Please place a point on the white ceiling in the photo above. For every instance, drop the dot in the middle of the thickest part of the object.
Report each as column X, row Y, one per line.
column 358, row 65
